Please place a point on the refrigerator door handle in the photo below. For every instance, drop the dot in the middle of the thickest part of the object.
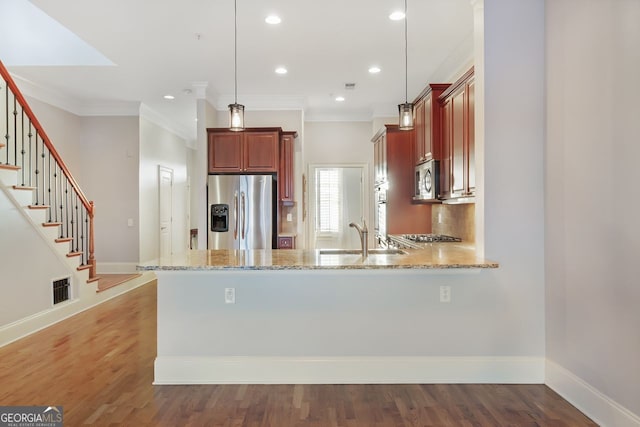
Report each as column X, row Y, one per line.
column 244, row 212
column 235, row 214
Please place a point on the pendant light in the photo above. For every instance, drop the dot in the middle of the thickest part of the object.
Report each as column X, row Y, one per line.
column 405, row 118
column 236, row 111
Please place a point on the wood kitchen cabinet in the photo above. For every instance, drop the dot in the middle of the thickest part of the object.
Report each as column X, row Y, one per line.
column 251, row 150
column 428, row 123
column 457, row 165
column 286, row 167
column 286, row 242
column 380, row 157
column 393, row 150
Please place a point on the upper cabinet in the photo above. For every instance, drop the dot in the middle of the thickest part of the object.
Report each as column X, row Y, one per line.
column 285, row 173
column 457, row 163
column 380, row 157
column 428, row 122
column 393, row 149
column 252, row 150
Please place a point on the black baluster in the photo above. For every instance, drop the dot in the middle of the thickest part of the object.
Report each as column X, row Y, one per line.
column 55, row 192
column 44, row 173
column 6, row 118
column 49, row 189
column 61, row 221
column 73, row 239
column 37, row 170
column 15, row 131
column 82, row 216
column 29, row 173
column 77, row 224
column 22, row 151
column 66, row 209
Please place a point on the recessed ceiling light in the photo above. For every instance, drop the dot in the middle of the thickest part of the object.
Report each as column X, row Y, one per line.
column 281, row 70
column 169, row 97
column 273, row 19
column 340, row 98
column 397, row 15
column 374, row 70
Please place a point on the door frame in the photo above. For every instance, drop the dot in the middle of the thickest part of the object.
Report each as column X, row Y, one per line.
column 170, row 171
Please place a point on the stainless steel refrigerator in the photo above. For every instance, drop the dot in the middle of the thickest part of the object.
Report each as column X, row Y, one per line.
column 241, row 212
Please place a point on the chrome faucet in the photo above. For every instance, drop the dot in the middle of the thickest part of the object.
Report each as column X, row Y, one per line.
column 363, row 232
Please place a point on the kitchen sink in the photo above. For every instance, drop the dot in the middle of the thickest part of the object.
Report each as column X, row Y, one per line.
column 359, row 252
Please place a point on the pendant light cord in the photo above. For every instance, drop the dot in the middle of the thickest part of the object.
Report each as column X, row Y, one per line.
column 406, row 55
column 235, row 46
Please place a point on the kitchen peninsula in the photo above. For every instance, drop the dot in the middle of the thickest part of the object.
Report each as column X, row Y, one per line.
column 299, row 316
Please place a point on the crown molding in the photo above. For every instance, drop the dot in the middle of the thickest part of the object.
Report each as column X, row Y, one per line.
column 167, row 124
column 74, row 105
column 262, row 102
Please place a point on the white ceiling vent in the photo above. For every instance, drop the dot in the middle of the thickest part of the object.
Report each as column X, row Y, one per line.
column 349, row 86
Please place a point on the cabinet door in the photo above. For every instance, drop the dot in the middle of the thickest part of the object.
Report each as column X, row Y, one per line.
column 421, row 134
column 458, row 129
column 445, row 163
column 225, row 152
column 261, row 151
column 471, row 143
column 285, row 178
column 428, row 129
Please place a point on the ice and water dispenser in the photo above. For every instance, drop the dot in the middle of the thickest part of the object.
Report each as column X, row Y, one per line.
column 219, row 217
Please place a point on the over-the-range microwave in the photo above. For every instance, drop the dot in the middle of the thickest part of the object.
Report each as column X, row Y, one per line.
column 427, row 180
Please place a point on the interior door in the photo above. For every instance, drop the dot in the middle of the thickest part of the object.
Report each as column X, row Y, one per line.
column 165, row 185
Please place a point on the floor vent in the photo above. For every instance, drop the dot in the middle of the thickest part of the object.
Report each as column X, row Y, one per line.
column 61, row 290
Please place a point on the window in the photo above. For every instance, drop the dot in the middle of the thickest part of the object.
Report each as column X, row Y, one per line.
column 328, row 200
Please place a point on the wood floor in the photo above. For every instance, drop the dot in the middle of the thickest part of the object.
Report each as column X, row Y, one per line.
column 99, row 366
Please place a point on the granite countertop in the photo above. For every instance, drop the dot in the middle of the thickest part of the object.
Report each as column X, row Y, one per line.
column 435, row 256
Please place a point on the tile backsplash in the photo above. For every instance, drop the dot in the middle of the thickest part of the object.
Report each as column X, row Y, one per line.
column 457, row 221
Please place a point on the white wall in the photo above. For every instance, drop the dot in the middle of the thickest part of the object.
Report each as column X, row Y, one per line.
column 592, row 208
column 159, row 147
column 110, row 156
column 63, row 128
column 102, row 154
column 25, row 286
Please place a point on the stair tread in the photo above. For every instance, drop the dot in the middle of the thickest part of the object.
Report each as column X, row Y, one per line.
column 64, row 239
column 23, row 187
column 84, row 267
column 10, row 167
column 38, row 206
column 73, row 254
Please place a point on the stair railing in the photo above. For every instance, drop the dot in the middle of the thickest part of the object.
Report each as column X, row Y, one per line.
column 28, row 147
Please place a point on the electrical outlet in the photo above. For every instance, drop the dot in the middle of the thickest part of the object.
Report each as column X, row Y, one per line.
column 289, row 217
column 439, row 217
column 445, row 293
column 229, row 295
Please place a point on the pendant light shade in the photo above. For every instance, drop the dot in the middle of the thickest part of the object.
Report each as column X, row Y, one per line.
column 405, row 121
column 236, row 111
column 405, row 110
column 236, row 117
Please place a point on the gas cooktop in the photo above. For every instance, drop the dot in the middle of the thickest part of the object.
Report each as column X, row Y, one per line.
column 430, row 238
column 418, row 241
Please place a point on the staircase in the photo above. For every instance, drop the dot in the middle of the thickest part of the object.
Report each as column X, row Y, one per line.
column 35, row 177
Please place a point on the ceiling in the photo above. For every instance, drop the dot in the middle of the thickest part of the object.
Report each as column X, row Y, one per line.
column 100, row 53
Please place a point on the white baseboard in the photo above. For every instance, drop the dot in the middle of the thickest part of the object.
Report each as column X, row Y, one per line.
column 597, row 406
column 115, row 267
column 348, row 370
